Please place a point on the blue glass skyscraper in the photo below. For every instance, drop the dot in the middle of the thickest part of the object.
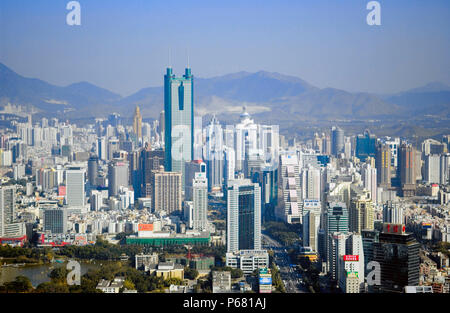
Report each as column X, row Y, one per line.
column 179, row 120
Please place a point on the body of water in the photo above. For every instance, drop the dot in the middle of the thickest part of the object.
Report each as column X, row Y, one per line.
column 40, row 273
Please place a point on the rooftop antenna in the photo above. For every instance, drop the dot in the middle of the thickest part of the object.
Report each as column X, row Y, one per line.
column 187, row 52
column 169, row 61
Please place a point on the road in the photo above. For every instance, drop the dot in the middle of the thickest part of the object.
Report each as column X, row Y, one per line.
column 291, row 279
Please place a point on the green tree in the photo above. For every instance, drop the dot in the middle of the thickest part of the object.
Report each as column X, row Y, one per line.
column 236, row 273
column 52, row 287
column 190, row 273
column 128, row 284
column 21, row 284
column 59, row 275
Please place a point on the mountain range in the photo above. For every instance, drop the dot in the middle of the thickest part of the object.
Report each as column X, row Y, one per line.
column 266, row 95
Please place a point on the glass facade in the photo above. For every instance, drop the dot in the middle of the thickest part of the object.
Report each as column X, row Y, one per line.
column 179, row 120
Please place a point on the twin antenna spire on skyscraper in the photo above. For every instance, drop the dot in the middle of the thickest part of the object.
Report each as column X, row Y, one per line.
column 169, row 61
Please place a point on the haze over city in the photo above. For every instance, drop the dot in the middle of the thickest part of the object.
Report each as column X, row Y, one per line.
column 256, row 152
column 123, row 46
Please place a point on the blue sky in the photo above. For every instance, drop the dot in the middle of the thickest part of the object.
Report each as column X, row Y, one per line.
column 122, row 45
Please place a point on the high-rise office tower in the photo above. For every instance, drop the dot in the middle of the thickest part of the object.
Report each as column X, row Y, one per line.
column 289, row 190
column 335, row 220
column 118, row 175
column 192, row 167
column 392, row 213
column 269, row 192
column 348, row 147
column 245, row 139
column 161, row 127
column 55, row 220
column 418, row 165
column 75, row 178
column 407, row 169
column 337, row 141
column 199, row 139
column 311, row 224
column 93, row 170
column 365, row 146
column 326, row 144
column 398, row 255
column 7, row 207
column 445, row 169
column 150, row 160
column 179, row 120
column 432, row 146
column 101, row 148
column 146, row 133
column 354, row 246
column 311, row 183
column 136, row 173
column 383, row 162
column 318, row 143
column 432, row 168
column 137, row 123
column 269, row 143
column 46, row 179
column 345, row 247
column 214, row 154
column 166, row 191
column 200, row 202
column 393, row 144
column 229, row 165
column 243, row 215
column 369, row 180
column 350, row 266
column 361, row 213
column 349, row 275
column 446, row 140
column 113, row 147
column 369, row 237
column 96, row 200
column 114, row 119
column 336, row 249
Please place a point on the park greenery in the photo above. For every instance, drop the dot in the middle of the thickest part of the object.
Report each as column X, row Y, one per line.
column 20, row 285
column 25, row 254
column 443, row 247
column 235, row 272
column 134, row 280
column 101, row 250
column 286, row 234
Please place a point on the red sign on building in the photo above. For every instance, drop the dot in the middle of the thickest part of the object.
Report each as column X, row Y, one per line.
column 351, row 257
column 61, row 190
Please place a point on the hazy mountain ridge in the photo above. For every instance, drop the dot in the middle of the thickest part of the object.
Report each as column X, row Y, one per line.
column 81, row 97
column 268, row 95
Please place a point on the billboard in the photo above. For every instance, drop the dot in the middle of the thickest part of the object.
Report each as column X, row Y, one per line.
column 145, row 227
column 394, row 228
column 311, row 204
column 265, row 280
column 80, row 240
column 351, row 258
column 61, row 190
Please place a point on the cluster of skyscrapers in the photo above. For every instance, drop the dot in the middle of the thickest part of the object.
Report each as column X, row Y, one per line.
column 351, row 195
